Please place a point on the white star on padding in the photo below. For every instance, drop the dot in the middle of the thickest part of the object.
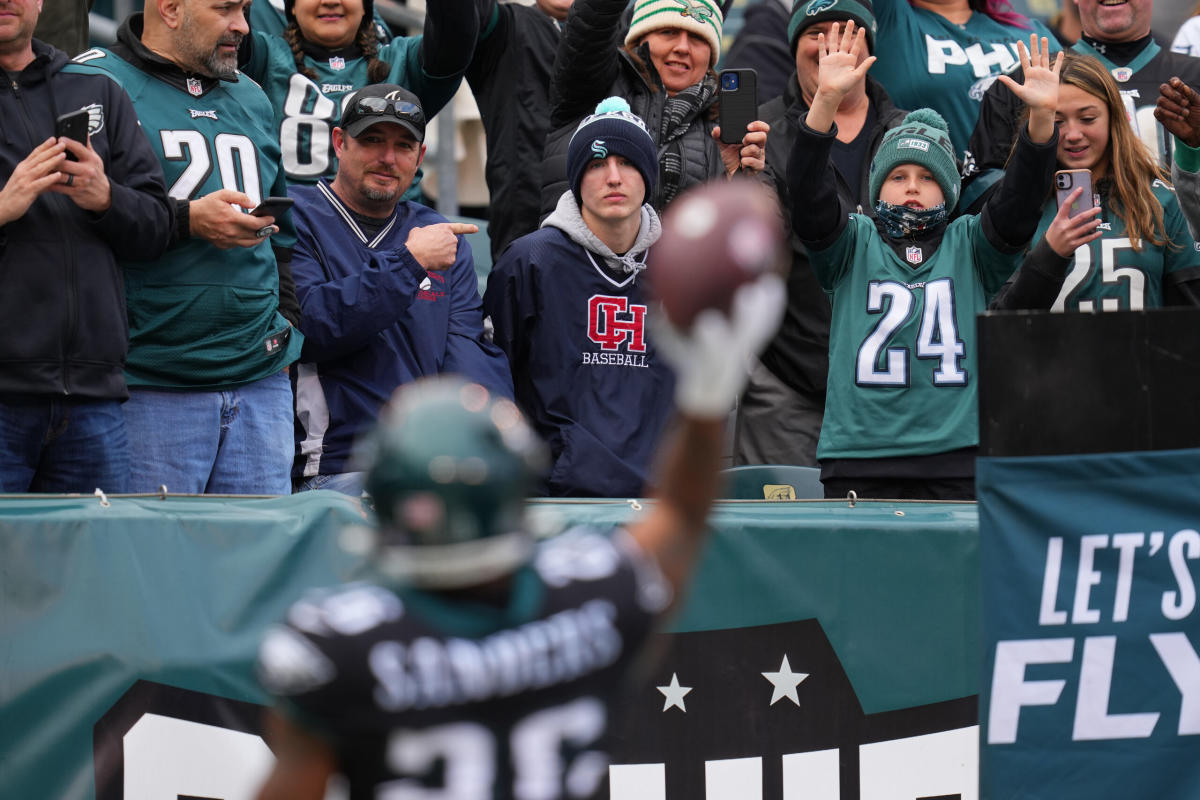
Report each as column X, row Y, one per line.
column 674, row 693
column 785, row 682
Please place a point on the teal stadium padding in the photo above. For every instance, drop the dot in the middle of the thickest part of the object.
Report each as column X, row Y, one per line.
column 773, row 482
column 481, row 249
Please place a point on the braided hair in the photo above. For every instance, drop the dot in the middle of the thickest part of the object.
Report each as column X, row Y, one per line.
column 367, row 41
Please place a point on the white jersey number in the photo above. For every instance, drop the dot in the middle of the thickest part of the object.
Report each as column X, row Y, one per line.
column 937, row 337
column 1110, row 275
column 468, row 751
column 305, row 135
column 233, row 155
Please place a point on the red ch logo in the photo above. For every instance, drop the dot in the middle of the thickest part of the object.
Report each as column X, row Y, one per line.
column 609, row 331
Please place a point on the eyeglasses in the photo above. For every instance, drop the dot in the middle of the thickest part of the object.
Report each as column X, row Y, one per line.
column 400, row 109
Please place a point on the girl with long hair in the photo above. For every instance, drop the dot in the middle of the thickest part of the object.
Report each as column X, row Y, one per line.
column 1130, row 249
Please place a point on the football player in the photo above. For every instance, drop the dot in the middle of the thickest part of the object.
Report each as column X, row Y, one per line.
column 481, row 663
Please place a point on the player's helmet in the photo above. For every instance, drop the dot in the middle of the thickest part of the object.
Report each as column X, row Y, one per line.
column 449, row 467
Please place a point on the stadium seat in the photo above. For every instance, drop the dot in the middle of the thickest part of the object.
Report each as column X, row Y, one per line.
column 772, row 482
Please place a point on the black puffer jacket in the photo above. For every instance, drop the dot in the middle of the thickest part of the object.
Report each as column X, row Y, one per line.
column 63, row 329
column 799, row 353
column 592, row 65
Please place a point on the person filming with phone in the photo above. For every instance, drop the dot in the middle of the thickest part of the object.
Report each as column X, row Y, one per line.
column 664, row 69
column 81, row 189
column 1112, row 236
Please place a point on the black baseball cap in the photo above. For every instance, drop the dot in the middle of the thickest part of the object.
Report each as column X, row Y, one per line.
column 383, row 102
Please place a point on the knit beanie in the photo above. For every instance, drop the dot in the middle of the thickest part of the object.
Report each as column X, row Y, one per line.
column 810, row 12
column 701, row 17
column 924, row 139
column 612, row 130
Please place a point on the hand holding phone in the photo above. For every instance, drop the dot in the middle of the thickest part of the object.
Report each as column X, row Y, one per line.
column 273, row 207
column 737, row 92
column 73, row 125
column 1067, row 181
column 1078, row 219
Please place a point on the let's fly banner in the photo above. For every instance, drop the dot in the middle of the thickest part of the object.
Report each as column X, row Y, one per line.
column 1091, row 684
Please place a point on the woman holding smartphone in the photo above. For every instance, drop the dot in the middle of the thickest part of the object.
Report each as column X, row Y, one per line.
column 1130, row 249
column 662, row 65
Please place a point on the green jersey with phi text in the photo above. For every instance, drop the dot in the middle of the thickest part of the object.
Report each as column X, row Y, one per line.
column 902, row 363
column 1109, row 275
column 306, row 111
column 199, row 317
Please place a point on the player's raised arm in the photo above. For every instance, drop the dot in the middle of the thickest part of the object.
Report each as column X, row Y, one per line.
column 727, row 239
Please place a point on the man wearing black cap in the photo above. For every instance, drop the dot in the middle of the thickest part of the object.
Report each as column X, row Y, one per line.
column 779, row 416
column 387, row 288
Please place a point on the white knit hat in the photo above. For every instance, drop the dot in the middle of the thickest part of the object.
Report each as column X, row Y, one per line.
column 701, row 17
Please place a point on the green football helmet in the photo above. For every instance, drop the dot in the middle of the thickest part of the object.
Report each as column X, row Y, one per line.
column 449, row 467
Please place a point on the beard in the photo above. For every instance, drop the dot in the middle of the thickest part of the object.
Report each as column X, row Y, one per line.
column 223, row 65
column 380, row 195
column 207, row 60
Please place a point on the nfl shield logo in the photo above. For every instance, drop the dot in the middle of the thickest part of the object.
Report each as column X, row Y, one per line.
column 194, row 87
column 1122, row 74
column 337, row 63
column 914, row 255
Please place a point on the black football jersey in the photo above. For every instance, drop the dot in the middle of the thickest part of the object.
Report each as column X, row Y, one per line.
column 430, row 695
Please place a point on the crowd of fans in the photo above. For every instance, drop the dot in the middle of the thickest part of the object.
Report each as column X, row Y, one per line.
column 157, row 332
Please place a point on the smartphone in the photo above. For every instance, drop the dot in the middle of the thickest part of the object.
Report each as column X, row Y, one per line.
column 1067, row 181
column 73, row 126
column 273, row 207
column 737, row 91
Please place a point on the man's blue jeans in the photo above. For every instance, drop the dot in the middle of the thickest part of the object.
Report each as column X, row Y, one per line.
column 350, row 483
column 236, row 441
column 63, row 446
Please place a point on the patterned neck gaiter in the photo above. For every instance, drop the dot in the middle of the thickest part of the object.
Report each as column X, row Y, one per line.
column 900, row 221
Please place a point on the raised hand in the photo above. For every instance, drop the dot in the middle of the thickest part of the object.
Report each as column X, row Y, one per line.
column 1040, row 89
column 838, row 71
column 1178, row 109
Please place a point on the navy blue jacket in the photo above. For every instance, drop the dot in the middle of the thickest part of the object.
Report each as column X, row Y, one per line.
column 586, row 373
column 63, row 328
column 373, row 319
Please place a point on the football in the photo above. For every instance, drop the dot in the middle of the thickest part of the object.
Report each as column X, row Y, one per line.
column 715, row 237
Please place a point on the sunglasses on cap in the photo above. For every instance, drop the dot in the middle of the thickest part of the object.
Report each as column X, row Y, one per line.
column 400, row 109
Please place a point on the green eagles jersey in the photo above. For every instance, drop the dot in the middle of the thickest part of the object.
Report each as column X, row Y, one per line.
column 1109, row 275
column 930, row 61
column 902, row 340
column 200, row 317
column 306, row 112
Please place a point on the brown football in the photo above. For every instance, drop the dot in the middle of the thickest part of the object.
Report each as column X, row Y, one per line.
column 715, row 238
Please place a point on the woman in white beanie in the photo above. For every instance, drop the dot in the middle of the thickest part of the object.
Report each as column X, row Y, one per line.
column 663, row 65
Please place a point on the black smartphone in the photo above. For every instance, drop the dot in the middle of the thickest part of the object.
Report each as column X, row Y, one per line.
column 1067, row 181
column 737, row 91
column 73, row 126
column 273, row 207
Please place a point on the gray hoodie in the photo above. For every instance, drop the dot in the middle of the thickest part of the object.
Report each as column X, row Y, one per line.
column 566, row 218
